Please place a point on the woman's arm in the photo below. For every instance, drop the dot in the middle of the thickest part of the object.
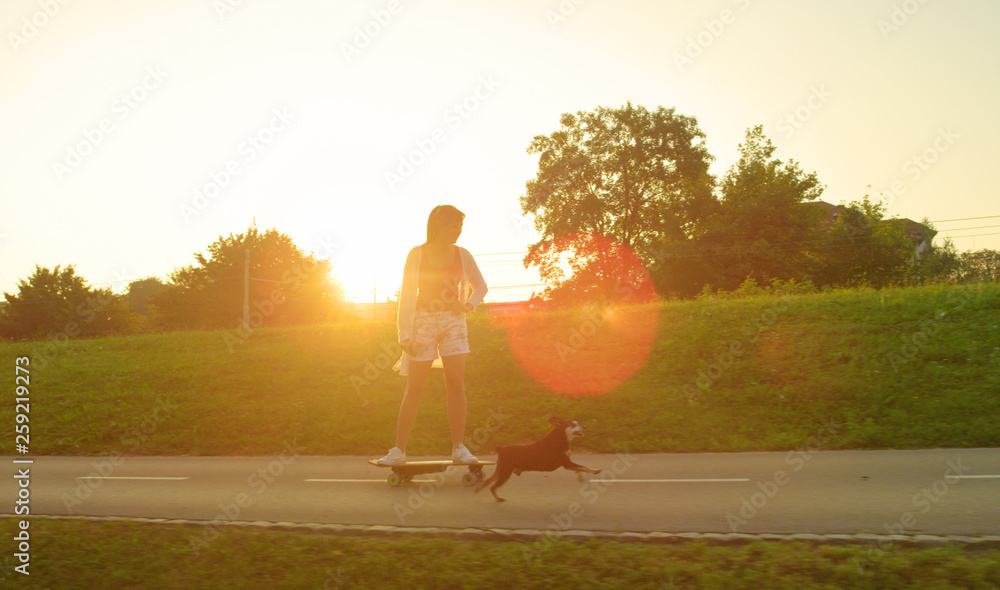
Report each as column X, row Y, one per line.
column 407, row 311
column 473, row 278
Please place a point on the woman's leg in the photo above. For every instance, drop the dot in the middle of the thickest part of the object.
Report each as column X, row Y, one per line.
column 454, row 382
column 415, row 381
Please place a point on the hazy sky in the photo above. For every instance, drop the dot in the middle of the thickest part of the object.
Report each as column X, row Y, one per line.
column 136, row 133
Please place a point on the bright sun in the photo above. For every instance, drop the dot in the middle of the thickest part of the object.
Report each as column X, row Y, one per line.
column 372, row 276
column 368, row 256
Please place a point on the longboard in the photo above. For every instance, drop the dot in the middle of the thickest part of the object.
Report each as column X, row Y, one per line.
column 404, row 472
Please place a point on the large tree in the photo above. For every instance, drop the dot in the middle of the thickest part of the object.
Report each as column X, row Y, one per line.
column 762, row 228
column 628, row 174
column 286, row 285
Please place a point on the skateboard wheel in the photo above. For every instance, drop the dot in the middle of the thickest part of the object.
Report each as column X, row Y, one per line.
column 468, row 479
column 394, row 479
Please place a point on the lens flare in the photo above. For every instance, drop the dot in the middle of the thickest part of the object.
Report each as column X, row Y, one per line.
column 606, row 333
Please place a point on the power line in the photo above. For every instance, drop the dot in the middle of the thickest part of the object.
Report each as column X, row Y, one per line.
column 966, row 219
column 969, row 228
column 972, row 236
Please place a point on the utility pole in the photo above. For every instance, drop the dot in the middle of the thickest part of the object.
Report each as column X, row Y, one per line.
column 246, row 291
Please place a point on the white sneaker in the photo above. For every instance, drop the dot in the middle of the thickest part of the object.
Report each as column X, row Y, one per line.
column 462, row 455
column 394, row 457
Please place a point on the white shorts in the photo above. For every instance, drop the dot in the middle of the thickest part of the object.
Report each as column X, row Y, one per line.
column 442, row 333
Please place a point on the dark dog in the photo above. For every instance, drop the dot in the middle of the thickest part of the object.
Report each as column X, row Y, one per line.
column 547, row 454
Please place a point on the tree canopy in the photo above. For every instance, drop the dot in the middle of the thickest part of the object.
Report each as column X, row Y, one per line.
column 286, row 285
column 761, row 226
column 630, row 180
column 58, row 304
column 626, row 174
column 861, row 247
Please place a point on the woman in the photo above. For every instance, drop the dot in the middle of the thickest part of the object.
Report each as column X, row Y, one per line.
column 441, row 283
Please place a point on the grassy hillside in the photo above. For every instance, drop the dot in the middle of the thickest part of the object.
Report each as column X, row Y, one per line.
column 904, row 368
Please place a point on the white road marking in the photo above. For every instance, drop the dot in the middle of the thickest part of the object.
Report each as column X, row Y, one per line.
column 973, row 476
column 152, row 478
column 719, row 480
column 367, row 480
column 730, row 480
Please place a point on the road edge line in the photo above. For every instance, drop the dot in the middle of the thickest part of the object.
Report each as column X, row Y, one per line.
column 529, row 535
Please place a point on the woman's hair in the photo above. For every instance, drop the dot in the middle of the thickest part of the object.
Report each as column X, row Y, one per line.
column 441, row 215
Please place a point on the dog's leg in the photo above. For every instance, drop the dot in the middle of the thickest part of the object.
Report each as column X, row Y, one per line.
column 501, row 475
column 577, row 467
column 486, row 482
column 580, row 469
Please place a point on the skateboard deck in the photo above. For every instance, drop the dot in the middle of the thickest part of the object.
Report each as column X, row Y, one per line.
column 404, row 472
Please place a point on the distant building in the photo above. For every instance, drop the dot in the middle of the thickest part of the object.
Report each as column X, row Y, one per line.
column 921, row 235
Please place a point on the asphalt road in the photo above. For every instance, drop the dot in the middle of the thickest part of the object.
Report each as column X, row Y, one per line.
column 935, row 492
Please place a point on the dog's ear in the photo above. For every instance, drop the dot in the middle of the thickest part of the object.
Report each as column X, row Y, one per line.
column 555, row 421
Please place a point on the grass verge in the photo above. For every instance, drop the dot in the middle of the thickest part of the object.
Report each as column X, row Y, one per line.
column 897, row 368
